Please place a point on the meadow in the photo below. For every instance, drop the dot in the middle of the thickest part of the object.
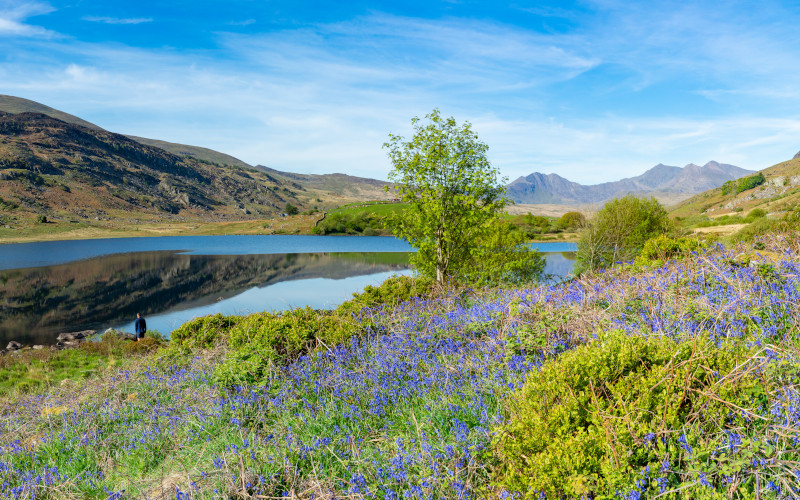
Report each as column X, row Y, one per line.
column 673, row 379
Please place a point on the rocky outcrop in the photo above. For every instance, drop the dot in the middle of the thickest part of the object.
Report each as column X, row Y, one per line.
column 72, row 340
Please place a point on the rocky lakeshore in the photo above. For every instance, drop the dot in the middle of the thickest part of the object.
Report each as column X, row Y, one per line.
column 67, row 340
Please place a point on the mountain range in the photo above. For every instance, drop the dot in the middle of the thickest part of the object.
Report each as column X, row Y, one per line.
column 666, row 183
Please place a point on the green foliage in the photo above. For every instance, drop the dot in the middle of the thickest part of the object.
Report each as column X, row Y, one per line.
column 364, row 223
column 740, row 185
column 506, row 259
column 593, row 419
column 41, row 219
column 756, row 213
column 203, row 332
column 619, row 231
column 534, row 225
column 662, row 248
column 7, row 205
column 390, row 293
column 759, row 227
column 291, row 209
column 541, row 331
column 262, row 340
column 454, row 196
column 571, row 221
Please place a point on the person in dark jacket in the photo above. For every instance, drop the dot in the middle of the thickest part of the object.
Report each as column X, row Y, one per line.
column 140, row 327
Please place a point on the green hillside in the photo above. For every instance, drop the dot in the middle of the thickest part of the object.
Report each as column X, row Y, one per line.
column 775, row 189
column 60, row 171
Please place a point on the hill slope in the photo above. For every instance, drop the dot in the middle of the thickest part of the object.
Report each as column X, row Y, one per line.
column 327, row 190
column 667, row 183
column 64, row 170
column 13, row 105
column 778, row 192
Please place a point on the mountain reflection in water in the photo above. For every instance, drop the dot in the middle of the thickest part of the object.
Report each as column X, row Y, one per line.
column 38, row 303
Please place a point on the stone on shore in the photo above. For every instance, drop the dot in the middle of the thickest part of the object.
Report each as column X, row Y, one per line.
column 72, row 339
column 13, row 346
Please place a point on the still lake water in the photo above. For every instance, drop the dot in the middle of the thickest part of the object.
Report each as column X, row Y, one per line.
column 61, row 286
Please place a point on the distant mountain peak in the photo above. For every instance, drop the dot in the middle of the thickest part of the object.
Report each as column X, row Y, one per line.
column 796, row 156
column 668, row 183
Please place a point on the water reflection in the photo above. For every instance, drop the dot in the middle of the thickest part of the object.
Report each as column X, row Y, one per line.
column 170, row 286
column 38, row 303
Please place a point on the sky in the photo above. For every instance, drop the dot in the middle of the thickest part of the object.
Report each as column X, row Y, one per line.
column 594, row 91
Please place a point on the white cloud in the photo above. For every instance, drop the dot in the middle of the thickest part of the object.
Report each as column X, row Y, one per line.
column 14, row 14
column 324, row 98
column 117, row 20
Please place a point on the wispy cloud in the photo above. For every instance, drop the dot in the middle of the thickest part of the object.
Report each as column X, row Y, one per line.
column 322, row 97
column 117, row 20
column 14, row 14
column 246, row 22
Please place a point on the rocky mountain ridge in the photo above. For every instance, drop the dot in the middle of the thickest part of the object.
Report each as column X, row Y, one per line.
column 667, row 183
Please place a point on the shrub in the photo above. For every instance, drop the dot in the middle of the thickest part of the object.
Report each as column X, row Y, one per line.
column 505, row 258
column 41, row 219
column 365, row 223
column 662, row 248
column 203, row 332
column 291, row 209
column 619, row 231
column 759, row 227
column 756, row 213
column 391, row 292
column 628, row 413
column 261, row 340
column 571, row 221
column 741, row 185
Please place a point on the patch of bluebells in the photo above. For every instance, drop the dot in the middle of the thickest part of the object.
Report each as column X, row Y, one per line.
column 405, row 413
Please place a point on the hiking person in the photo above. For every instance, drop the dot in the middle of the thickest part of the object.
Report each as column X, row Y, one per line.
column 140, row 327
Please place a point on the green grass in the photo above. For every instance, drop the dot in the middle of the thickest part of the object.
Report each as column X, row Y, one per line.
column 377, row 208
column 33, row 370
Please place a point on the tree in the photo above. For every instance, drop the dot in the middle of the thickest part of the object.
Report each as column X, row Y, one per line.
column 571, row 221
column 291, row 209
column 454, row 199
column 619, row 230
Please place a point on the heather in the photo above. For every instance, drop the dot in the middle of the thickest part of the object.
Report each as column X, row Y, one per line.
column 674, row 379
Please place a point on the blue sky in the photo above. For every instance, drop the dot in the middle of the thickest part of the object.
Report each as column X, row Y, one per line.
column 593, row 91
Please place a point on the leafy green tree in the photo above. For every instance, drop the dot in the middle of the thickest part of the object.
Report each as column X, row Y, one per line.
column 571, row 221
column 619, row 231
column 291, row 209
column 454, row 200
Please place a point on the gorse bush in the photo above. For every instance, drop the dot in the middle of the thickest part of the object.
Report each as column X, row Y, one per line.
column 203, row 332
column 262, row 340
column 639, row 414
column 659, row 250
column 391, row 292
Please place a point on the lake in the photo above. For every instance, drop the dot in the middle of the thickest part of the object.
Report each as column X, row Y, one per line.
column 61, row 286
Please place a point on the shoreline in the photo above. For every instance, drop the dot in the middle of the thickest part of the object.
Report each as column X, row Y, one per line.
column 153, row 230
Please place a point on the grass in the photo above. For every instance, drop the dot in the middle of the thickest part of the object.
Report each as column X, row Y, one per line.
column 34, row 370
column 382, row 209
column 409, row 407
